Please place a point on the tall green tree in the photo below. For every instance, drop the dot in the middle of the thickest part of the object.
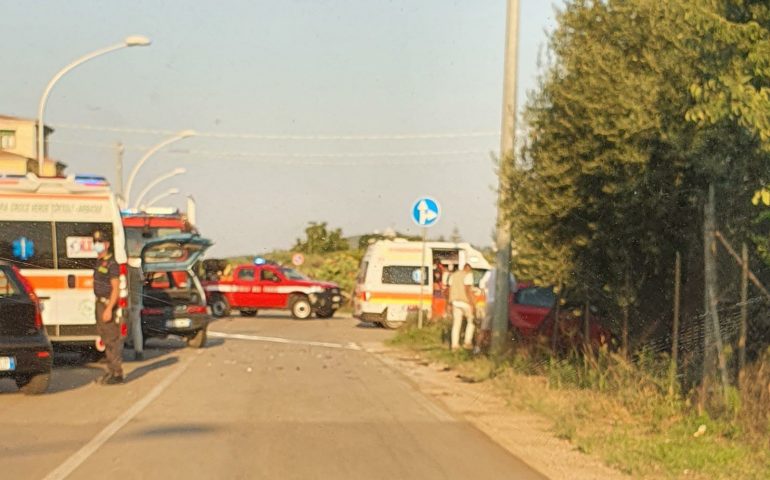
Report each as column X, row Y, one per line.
column 645, row 104
column 320, row 239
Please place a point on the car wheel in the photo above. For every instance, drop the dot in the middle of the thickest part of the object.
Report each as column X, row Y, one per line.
column 34, row 384
column 198, row 340
column 220, row 307
column 248, row 313
column 325, row 313
column 300, row 307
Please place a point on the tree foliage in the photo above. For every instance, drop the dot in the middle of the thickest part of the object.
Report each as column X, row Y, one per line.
column 644, row 104
column 319, row 239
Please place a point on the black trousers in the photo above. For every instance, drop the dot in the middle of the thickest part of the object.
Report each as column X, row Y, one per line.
column 110, row 333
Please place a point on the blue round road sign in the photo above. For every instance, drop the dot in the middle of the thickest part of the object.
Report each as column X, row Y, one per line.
column 426, row 212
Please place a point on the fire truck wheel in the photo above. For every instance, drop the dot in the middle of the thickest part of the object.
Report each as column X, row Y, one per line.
column 248, row 313
column 198, row 340
column 219, row 307
column 300, row 307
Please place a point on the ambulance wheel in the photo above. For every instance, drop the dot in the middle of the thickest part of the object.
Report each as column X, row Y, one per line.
column 300, row 307
column 219, row 307
column 248, row 313
column 390, row 325
column 34, row 384
column 198, row 340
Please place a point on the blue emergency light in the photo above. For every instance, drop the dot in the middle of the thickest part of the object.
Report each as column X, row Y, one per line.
column 259, row 261
column 91, row 180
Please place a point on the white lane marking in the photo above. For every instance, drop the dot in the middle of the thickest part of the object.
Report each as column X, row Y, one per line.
column 259, row 338
column 73, row 462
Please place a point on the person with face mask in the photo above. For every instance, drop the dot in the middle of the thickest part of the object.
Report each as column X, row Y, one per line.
column 107, row 291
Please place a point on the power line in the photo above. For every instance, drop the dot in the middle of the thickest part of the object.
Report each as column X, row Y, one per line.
column 259, row 136
column 439, row 156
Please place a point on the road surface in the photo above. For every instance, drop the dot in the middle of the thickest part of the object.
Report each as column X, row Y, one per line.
column 270, row 397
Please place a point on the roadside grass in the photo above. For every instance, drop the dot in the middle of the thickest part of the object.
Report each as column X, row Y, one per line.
column 620, row 411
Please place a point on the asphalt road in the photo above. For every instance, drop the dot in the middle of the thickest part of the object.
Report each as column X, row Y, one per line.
column 270, row 397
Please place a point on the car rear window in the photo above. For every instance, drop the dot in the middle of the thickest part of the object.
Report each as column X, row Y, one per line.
column 536, row 297
column 8, row 285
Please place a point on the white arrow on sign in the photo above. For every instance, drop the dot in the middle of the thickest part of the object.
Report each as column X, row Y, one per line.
column 426, row 214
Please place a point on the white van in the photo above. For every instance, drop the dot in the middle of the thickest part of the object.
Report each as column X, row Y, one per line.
column 46, row 226
column 388, row 281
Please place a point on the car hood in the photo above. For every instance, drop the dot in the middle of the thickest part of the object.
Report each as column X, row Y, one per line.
column 315, row 283
column 173, row 253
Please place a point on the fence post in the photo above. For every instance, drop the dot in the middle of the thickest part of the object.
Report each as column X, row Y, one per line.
column 675, row 329
column 744, row 310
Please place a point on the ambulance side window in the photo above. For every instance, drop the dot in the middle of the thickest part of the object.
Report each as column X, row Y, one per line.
column 403, row 275
column 71, row 253
column 27, row 244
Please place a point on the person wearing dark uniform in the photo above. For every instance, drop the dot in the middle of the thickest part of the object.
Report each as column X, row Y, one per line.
column 107, row 291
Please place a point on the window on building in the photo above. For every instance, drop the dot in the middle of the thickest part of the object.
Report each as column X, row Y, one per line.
column 7, row 139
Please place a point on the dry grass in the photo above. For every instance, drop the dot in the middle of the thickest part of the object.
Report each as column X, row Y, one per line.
column 623, row 411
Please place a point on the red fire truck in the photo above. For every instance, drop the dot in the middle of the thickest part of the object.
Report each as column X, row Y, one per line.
column 150, row 223
column 265, row 285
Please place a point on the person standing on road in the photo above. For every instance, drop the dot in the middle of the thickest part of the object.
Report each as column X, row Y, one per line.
column 107, row 290
column 487, row 285
column 462, row 301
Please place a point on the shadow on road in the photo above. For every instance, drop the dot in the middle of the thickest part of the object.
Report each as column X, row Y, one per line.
column 362, row 324
column 182, row 430
column 145, row 369
column 63, row 378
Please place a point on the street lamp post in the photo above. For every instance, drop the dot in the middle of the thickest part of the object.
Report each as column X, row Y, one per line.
column 166, row 176
column 132, row 41
column 132, row 176
column 158, row 198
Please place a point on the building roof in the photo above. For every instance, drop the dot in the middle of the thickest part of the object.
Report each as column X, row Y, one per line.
column 21, row 119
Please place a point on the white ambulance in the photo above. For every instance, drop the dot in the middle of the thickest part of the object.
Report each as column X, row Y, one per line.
column 388, row 281
column 45, row 230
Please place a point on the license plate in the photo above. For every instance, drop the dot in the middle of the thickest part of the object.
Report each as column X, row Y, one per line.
column 7, row 364
column 178, row 323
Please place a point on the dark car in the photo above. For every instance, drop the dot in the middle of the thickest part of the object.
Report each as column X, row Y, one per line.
column 25, row 351
column 173, row 300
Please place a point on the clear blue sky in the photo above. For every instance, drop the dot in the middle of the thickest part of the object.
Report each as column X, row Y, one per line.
column 302, row 67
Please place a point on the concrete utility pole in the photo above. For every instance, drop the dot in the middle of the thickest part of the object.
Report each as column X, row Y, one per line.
column 119, row 150
column 507, row 159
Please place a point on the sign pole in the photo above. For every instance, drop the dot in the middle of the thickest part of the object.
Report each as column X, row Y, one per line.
column 422, row 274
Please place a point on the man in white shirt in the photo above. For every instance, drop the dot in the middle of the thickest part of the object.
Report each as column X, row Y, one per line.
column 462, row 301
column 487, row 284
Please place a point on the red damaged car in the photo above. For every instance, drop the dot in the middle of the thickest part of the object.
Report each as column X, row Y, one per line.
column 532, row 314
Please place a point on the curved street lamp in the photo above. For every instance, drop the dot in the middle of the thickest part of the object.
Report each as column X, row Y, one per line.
column 132, row 176
column 158, row 198
column 166, row 176
column 131, row 41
